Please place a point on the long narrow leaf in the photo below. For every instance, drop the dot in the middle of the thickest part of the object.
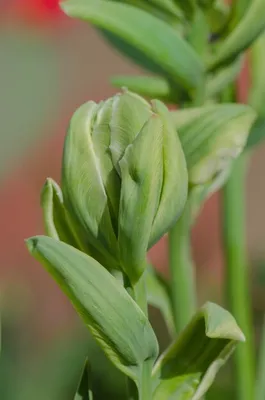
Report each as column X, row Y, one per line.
column 153, row 87
column 160, row 43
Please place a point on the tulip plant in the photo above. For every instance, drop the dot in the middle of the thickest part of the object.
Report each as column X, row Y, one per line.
column 133, row 171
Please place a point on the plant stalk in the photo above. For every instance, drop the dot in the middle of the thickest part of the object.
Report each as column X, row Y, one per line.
column 260, row 383
column 145, row 387
column 237, row 287
column 183, row 288
column 138, row 292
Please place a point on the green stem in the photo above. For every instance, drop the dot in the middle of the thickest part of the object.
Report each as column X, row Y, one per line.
column 182, row 271
column 237, row 275
column 260, row 384
column 183, row 290
column 138, row 292
column 145, row 389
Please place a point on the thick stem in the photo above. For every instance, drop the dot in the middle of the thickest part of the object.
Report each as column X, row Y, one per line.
column 145, row 389
column 138, row 292
column 237, row 280
column 140, row 297
column 260, row 384
column 183, row 288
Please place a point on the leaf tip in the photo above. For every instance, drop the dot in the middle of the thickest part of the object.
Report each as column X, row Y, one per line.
column 31, row 243
column 219, row 323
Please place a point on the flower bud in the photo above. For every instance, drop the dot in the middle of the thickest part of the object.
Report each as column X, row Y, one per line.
column 212, row 138
column 124, row 178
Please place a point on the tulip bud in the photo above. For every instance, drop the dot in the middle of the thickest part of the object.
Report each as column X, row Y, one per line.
column 212, row 138
column 124, row 178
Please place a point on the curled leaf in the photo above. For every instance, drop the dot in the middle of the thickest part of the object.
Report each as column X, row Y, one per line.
column 188, row 367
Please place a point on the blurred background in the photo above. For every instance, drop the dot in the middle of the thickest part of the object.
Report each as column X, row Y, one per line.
column 49, row 65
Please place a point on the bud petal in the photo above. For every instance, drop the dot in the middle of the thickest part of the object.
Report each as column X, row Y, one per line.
column 129, row 113
column 175, row 178
column 124, row 179
column 82, row 183
column 141, row 176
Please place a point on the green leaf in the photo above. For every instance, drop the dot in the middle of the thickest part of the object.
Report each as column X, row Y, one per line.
column 260, row 383
column 84, row 391
column 113, row 318
column 247, row 31
column 158, row 296
column 58, row 222
column 257, row 133
column 54, row 213
column 198, row 35
column 217, row 16
column 160, row 8
column 212, row 137
column 188, row 6
column 160, row 43
column 188, row 367
column 169, row 6
column 153, row 87
column 256, row 96
column 223, row 77
column 206, row 4
column 238, row 10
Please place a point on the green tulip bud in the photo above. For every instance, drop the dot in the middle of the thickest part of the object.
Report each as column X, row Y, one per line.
column 124, row 178
column 212, row 138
